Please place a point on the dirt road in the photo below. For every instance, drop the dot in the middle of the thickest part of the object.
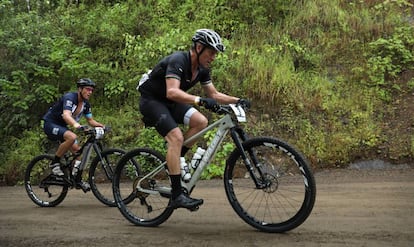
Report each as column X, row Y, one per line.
column 353, row 208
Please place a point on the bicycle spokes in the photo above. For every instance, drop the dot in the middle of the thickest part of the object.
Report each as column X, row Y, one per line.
column 142, row 194
column 43, row 188
column 276, row 192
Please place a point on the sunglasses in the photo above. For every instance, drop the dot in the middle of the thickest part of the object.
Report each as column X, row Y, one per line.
column 89, row 89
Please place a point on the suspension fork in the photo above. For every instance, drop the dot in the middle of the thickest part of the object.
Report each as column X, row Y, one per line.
column 97, row 146
column 98, row 149
column 239, row 136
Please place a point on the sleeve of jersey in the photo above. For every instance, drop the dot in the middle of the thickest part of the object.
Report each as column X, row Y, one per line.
column 67, row 101
column 205, row 77
column 88, row 111
column 175, row 68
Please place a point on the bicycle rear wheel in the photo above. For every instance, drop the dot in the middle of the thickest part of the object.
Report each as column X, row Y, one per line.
column 286, row 191
column 42, row 187
column 142, row 208
column 101, row 173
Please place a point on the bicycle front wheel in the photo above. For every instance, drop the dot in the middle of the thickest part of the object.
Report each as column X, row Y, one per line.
column 147, row 206
column 42, row 187
column 278, row 194
column 101, row 173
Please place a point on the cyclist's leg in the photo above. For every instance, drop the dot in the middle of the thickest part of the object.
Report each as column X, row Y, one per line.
column 174, row 139
column 179, row 199
column 63, row 134
column 69, row 139
column 183, row 114
column 160, row 115
column 74, row 148
column 196, row 121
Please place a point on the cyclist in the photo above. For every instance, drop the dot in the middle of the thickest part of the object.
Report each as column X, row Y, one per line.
column 67, row 111
column 164, row 102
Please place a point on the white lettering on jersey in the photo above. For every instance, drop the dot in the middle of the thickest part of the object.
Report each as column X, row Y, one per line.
column 69, row 103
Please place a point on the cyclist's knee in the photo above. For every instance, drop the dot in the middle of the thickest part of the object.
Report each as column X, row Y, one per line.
column 69, row 136
column 175, row 137
column 75, row 148
column 198, row 121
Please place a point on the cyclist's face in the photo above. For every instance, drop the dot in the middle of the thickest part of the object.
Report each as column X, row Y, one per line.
column 207, row 57
column 86, row 92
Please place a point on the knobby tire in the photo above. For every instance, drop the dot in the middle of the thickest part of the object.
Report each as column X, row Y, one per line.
column 44, row 195
column 101, row 174
column 140, row 208
column 288, row 190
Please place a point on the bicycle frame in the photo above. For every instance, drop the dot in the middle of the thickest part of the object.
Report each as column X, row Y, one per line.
column 267, row 182
column 86, row 151
column 86, row 154
column 47, row 189
column 223, row 126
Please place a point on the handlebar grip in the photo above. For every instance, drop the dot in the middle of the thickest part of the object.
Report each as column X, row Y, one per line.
column 245, row 103
column 82, row 128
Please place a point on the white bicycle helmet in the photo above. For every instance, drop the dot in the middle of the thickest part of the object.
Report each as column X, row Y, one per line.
column 209, row 38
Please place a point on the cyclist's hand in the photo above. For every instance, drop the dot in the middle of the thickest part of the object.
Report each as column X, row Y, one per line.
column 209, row 104
column 83, row 128
column 245, row 103
column 107, row 128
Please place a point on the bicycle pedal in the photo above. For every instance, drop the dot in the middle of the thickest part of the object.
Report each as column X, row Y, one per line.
column 83, row 189
column 84, row 186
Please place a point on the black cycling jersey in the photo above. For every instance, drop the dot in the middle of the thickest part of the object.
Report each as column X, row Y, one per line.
column 176, row 65
column 69, row 101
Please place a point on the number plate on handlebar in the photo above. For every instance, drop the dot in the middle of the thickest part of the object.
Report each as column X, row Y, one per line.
column 99, row 132
column 239, row 112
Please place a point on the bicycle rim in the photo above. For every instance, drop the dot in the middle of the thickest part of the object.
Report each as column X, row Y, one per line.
column 288, row 190
column 43, row 188
column 141, row 208
column 101, row 173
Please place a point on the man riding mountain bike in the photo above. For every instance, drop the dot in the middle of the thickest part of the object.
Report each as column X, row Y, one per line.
column 165, row 103
column 67, row 111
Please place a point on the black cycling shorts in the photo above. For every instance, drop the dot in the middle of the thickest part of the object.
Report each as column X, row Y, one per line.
column 54, row 131
column 164, row 115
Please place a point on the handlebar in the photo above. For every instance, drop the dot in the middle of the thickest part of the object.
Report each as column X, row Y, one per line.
column 97, row 132
column 236, row 111
column 226, row 109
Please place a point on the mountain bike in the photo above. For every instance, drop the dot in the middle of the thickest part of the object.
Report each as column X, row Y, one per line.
column 268, row 182
column 48, row 190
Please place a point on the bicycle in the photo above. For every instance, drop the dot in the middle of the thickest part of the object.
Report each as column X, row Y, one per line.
column 268, row 183
column 48, row 190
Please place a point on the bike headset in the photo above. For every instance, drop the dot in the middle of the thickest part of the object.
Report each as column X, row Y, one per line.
column 208, row 38
column 85, row 82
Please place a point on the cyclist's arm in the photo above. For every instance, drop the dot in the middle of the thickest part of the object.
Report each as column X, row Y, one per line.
column 67, row 116
column 175, row 94
column 222, row 98
column 94, row 123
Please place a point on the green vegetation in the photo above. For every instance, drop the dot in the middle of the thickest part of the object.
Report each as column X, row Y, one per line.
column 322, row 74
